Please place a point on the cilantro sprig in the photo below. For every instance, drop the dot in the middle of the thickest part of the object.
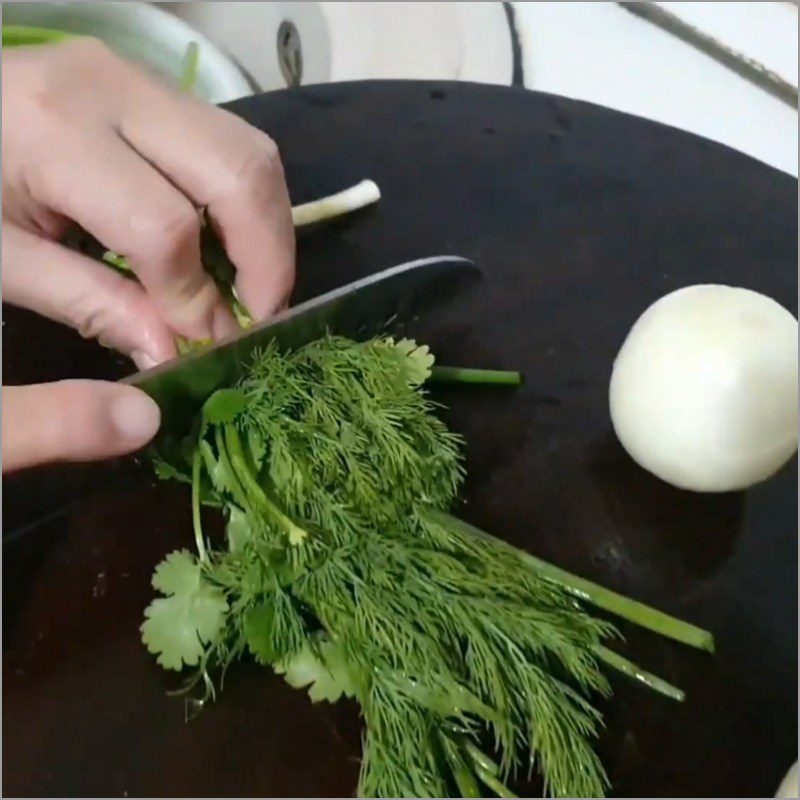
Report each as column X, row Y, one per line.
column 181, row 625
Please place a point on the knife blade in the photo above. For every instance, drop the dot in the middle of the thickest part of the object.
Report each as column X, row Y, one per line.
column 358, row 310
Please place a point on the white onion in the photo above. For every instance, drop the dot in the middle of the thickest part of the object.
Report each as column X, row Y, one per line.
column 788, row 787
column 704, row 390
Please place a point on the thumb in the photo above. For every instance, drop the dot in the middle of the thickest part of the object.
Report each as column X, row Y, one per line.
column 74, row 421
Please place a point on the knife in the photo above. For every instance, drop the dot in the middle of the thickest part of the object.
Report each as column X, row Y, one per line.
column 358, row 310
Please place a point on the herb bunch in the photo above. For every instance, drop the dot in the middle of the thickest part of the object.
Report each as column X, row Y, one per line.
column 343, row 571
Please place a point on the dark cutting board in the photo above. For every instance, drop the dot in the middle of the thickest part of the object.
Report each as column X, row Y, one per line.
column 580, row 217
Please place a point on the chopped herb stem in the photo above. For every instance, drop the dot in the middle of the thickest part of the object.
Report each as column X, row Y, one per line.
column 480, row 758
column 499, row 788
column 239, row 494
column 630, row 669
column 463, row 775
column 249, row 484
column 479, row 376
column 190, row 64
column 118, row 262
column 197, row 523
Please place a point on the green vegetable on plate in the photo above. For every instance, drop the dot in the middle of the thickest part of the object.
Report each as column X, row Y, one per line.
column 343, row 570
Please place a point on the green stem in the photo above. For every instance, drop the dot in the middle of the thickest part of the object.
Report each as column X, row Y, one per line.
column 630, row 669
column 234, row 444
column 631, row 610
column 486, row 769
column 488, row 377
column 25, row 35
column 486, row 777
column 118, row 262
column 237, row 490
column 196, row 520
column 190, row 63
column 463, row 775
column 479, row 757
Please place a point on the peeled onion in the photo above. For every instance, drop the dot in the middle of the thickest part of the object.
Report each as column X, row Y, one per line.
column 703, row 392
column 788, row 787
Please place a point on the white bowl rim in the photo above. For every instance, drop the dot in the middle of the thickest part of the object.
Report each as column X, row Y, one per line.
column 229, row 82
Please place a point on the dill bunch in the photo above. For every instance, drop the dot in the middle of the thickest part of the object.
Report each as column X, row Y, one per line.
column 342, row 570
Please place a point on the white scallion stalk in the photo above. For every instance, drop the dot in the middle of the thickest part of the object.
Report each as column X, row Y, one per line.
column 362, row 194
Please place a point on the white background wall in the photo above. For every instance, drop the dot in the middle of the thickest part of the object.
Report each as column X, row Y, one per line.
column 595, row 51
column 602, row 53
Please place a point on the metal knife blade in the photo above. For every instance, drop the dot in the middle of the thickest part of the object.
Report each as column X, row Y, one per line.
column 358, row 310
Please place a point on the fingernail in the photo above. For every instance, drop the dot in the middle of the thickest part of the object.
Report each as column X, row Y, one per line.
column 136, row 417
column 143, row 360
column 223, row 323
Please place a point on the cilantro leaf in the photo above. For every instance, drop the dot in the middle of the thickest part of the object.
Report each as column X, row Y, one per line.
column 178, row 627
column 258, row 626
column 238, row 530
column 323, row 670
column 215, row 468
column 178, row 573
column 417, row 360
column 257, row 445
column 224, row 406
column 166, row 472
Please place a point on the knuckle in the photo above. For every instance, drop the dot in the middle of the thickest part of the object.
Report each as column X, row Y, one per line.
column 258, row 166
column 57, row 94
column 96, row 315
column 46, row 105
column 170, row 267
column 169, row 231
column 87, row 325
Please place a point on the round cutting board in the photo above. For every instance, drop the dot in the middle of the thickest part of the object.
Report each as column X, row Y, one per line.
column 580, row 217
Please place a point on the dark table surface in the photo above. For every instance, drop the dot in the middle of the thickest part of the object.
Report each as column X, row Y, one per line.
column 580, row 217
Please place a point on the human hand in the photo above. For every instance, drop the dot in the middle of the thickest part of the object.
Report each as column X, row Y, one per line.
column 74, row 421
column 91, row 139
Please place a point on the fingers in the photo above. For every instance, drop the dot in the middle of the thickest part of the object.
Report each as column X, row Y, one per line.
column 92, row 298
column 74, row 421
column 255, row 226
column 107, row 188
column 235, row 171
column 132, row 163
